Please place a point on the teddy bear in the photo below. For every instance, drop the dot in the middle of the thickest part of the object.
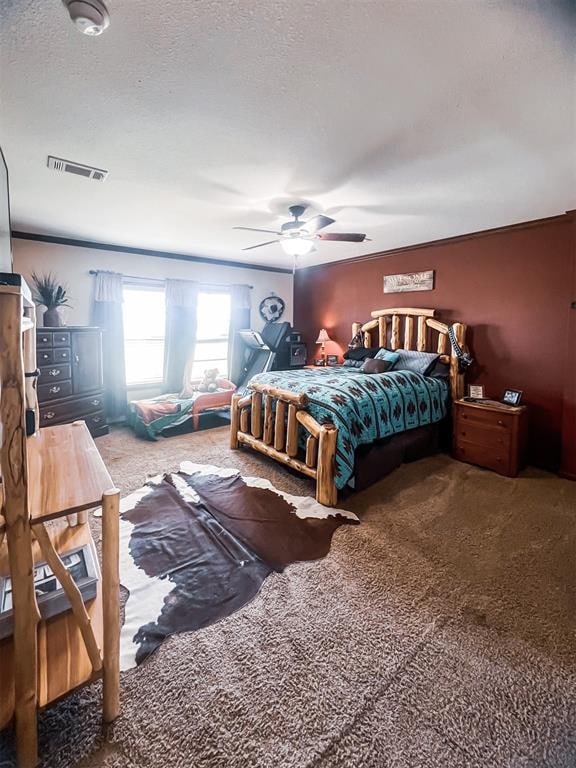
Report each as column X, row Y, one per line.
column 208, row 383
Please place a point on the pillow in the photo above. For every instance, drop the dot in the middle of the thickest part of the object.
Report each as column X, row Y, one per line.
column 361, row 353
column 439, row 370
column 375, row 365
column 387, row 354
column 417, row 362
column 353, row 363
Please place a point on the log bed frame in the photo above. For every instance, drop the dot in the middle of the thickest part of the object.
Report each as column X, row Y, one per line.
column 268, row 418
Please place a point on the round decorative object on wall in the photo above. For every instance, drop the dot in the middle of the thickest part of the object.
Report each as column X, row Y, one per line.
column 271, row 308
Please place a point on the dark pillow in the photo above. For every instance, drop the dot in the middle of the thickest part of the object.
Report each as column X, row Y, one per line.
column 353, row 363
column 439, row 370
column 374, row 365
column 361, row 353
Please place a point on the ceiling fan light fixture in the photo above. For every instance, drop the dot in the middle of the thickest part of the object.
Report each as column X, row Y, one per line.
column 296, row 246
column 89, row 16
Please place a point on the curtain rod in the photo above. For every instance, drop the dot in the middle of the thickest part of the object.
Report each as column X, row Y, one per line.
column 163, row 280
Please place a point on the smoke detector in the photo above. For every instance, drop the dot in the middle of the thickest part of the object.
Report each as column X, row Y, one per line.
column 90, row 16
column 67, row 166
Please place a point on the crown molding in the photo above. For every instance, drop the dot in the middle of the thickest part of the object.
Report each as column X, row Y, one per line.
column 55, row 239
column 447, row 240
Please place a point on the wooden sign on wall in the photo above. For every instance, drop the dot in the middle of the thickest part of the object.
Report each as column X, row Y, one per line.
column 410, row 281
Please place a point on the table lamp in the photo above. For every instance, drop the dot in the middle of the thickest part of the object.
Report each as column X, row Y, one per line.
column 322, row 339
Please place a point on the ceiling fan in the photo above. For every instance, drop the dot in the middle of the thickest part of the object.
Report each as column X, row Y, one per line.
column 297, row 237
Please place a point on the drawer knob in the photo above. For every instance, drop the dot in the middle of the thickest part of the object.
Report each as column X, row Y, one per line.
column 45, row 356
column 49, row 415
column 500, row 422
column 54, row 389
column 54, row 371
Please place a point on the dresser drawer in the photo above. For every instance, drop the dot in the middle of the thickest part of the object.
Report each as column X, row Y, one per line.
column 96, row 422
column 54, row 391
column 55, row 373
column 48, row 356
column 61, row 338
column 485, row 456
column 483, row 434
column 44, row 339
column 72, row 410
column 44, row 357
column 62, row 354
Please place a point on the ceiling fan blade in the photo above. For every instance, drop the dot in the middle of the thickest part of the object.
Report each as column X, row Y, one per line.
column 250, row 247
column 345, row 237
column 318, row 222
column 252, row 229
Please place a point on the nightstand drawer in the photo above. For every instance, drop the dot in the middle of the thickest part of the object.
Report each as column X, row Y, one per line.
column 486, row 417
column 483, row 434
column 485, row 456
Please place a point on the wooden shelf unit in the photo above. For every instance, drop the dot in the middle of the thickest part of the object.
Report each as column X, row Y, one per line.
column 46, row 480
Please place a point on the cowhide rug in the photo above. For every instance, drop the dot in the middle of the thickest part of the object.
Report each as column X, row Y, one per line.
column 196, row 545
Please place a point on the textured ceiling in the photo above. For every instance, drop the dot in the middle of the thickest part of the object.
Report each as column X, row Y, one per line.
column 409, row 120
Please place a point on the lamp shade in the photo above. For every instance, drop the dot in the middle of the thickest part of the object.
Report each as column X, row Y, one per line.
column 322, row 336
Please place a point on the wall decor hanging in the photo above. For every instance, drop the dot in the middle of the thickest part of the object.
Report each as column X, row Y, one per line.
column 410, row 281
column 271, row 308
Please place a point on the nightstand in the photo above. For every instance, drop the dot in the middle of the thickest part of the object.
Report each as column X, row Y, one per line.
column 490, row 434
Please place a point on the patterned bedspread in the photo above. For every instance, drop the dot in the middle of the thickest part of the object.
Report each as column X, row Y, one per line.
column 364, row 407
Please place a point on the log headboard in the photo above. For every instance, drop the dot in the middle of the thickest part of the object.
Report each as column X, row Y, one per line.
column 394, row 329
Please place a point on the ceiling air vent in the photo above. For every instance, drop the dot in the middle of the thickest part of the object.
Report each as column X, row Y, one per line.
column 66, row 166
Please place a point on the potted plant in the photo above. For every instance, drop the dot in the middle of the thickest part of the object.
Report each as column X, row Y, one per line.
column 50, row 294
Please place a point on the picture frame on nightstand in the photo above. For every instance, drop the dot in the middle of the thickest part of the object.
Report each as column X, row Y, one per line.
column 331, row 359
column 476, row 391
column 512, row 397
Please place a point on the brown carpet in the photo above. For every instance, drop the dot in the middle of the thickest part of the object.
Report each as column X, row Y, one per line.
column 437, row 634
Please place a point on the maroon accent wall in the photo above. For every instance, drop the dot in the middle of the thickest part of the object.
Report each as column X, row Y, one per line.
column 512, row 287
column 568, row 465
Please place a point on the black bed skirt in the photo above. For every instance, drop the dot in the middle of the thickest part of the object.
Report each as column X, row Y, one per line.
column 375, row 461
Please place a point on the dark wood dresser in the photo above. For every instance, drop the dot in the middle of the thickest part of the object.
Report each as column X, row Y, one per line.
column 70, row 386
column 492, row 436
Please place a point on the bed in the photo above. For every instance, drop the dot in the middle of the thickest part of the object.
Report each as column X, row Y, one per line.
column 320, row 422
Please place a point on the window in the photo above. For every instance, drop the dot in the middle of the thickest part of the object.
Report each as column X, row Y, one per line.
column 144, row 329
column 213, row 320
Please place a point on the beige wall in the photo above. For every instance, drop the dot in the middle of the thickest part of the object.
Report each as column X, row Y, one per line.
column 71, row 265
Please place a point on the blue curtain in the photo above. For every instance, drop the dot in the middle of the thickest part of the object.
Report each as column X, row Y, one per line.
column 239, row 320
column 107, row 315
column 180, row 339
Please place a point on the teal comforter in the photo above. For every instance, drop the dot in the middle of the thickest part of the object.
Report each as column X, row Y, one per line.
column 364, row 407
